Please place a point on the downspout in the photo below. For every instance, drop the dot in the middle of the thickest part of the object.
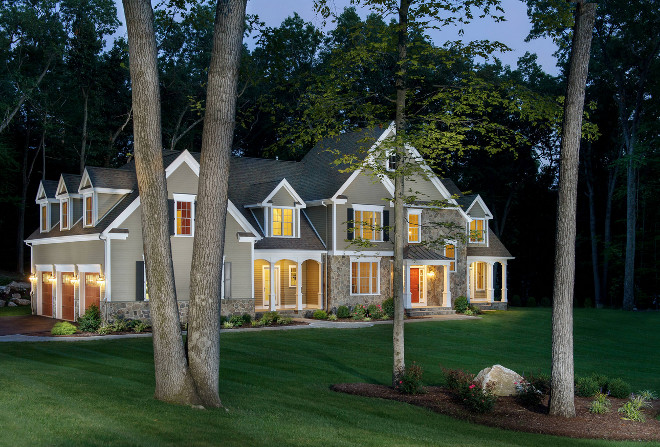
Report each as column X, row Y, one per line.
column 107, row 273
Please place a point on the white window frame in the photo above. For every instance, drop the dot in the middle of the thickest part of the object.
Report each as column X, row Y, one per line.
column 294, row 222
column 226, row 279
column 356, row 222
column 350, row 272
column 293, row 268
column 388, row 162
column 419, row 225
column 41, row 217
column 94, row 209
column 68, row 213
column 188, row 198
column 484, row 238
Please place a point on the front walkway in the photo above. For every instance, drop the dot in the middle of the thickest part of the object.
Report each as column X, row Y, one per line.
column 11, row 331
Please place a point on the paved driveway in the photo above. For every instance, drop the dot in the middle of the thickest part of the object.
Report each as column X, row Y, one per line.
column 26, row 324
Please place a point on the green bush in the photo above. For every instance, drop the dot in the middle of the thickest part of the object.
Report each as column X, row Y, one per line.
column 410, row 381
column 320, row 315
column 618, row 388
column 332, row 317
column 105, row 329
column 632, row 410
column 531, row 302
column 285, row 320
column 140, row 326
column 648, row 395
column 457, row 378
column 601, row 380
column 223, row 319
column 270, row 318
column 478, row 399
column 359, row 312
column 514, row 301
column 227, row 325
column 586, row 387
column 540, row 381
column 91, row 319
column 527, row 395
column 247, row 319
column 461, row 304
column 388, row 307
column 63, row 328
column 343, row 312
column 236, row 320
column 375, row 312
column 120, row 324
column 601, row 405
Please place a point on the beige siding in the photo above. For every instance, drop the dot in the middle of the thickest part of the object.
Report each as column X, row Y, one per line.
column 54, row 214
column 363, row 191
column 182, row 248
column 283, row 198
column 84, row 252
column 77, row 210
column 106, row 202
column 124, row 256
column 477, row 211
column 258, row 282
column 317, row 215
column 288, row 294
column 240, row 256
column 182, row 181
column 311, row 283
column 422, row 189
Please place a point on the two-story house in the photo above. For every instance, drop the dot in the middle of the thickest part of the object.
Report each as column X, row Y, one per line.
column 290, row 237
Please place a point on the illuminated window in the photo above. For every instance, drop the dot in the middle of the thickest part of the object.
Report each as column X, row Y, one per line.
column 368, row 224
column 450, row 252
column 44, row 218
column 364, row 278
column 414, row 226
column 477, row 233
column 282, row 222
column 89, row 211
column 184, row 214
column 64, row 218
column 293, row 276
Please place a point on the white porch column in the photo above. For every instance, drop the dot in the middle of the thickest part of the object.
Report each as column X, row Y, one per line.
column 407, row 296
column 320, row 299
column 470, row 286
column 504, row 295
column 272, row 285
column 446, row 294
column 489, row 277
column 299, row 285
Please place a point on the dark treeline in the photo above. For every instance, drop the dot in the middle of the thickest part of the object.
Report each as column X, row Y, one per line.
column 65, row 102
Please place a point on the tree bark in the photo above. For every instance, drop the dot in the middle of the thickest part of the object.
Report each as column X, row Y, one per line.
column 174, row 383
column 208, row 247
column 631, row 225
column 562, row 398
column 598, row 298
column 607, row 231
column 400, row 235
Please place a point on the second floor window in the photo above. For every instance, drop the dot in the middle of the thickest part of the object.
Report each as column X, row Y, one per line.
column 184, row 220
column 45, row 225
column 450, row 252
column 282, row 222
column 414, row 228
column 65, row 214
column 477, row 233
column 368, row 225
column 89, row 211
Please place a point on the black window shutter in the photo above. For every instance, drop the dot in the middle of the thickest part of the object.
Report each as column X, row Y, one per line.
column 139, row 280
column 349, row 220
column 386, row 225
column 227, row 279
column 170, row 212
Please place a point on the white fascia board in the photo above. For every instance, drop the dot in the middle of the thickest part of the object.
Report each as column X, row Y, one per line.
column 431, row 175
column 383, row 253
column 292, row 192
column 471, row 259
column 64, row 239
column 41, row 192
column 85, row 179
column 185, row 157
column 320, row 202
column 44, row 201
column 247, row 238
column 291, row 255
column 61, row 187
column 112, row 191
column 242, row 221
column 481, row 202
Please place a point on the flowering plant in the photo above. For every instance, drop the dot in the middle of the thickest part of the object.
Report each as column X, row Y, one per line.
column 359, row 312
column 527, row 394
column 410, row 382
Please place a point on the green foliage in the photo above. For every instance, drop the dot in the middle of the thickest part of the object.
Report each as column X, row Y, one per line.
column 343, row 312
column 320, row 314
column 332, row 317
column 284, row 321
column 140, row 326
column 601, row 380
column 468, row 392
column 247, row 319
column 546, row 302
column 586, row 387
column 619, row 388
column 473, row 310
column 236, row 320
column 359, row 312
column 120, row 324
column 632, row 410
column 63, row 328
column 455, row 379
column 375, row 311
column 515, row 301
column 461, row 304
column 105, row 329
column 410, row 382
column 600, row 405
column 388, row 307
column 91, row 319
column 648, row 395
column 270, row 318
column 528, row 395
column 531, row 302
column 227, row 325
column 540, row 381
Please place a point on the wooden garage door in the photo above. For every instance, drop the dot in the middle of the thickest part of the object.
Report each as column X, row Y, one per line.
column 46, row 295
column 67, row 296
column 92, row 290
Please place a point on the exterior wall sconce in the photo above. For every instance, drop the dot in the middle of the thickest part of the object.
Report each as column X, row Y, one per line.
column 74, row 280
column 431, row 274
column 33, row 277
column 100, row 280
column 52, row 278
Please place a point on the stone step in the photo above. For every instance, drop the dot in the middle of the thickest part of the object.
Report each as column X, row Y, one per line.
column 429, row 311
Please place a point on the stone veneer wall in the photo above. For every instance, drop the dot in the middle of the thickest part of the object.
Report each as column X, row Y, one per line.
column 139, row 310
column 339, row 283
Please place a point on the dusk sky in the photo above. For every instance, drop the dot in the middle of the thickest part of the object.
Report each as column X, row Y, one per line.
column 512, row 32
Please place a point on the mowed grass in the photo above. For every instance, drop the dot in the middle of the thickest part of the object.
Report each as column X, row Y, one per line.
column 275, row 384
column 15, row 311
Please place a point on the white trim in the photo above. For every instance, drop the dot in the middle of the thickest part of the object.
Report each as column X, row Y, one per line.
column 247, row 238
column 484, row 240
column 41, row 193
column 481, row 203
column 185, row 157
column 365, row 253
column 365, row 260
column 292, row 192
column 41, row 218
column 44, row 268
column 65, row 239
column 65, row 268
column 69, row 213
column 422, row 291
column 94, row 209
column 89, row 268
column 313, row 227
column 455, row 260
column 184, row 198
column 293, row 267
column 417, row 212
column 113, row 191
column 294, row 225
column 275, row 256
column 369, row 209
column 84, row 180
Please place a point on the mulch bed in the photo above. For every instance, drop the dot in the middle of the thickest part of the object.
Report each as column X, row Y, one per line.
column 510, row 415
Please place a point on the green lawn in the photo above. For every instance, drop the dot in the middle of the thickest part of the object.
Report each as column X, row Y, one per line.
column 15, row 311
column 275, row 385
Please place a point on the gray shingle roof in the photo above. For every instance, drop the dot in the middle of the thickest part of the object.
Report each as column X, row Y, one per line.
column 422, row 253
column 112, row 178
column 464, row 201
column 50, row 188
column 495, row 248
column 72, row 182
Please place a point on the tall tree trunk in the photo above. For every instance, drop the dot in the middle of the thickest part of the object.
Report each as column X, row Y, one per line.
column 607, row 231
column 591, row 193
column 562, row 399
column 113, row 137
column 400, row 235
column 208, row 247
column 174, row 383
column 26, row 174
column 631, row 224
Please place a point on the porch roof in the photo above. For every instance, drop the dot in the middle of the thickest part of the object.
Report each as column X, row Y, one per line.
column 421, row 253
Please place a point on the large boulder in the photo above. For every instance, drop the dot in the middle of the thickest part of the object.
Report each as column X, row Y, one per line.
column 10, row 304
column 20, row 286
column 3, row 303
column 16, row 296
column 503, row 380
column 21, row 301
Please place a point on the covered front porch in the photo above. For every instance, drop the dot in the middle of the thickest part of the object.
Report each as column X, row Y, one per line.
column 482, row 279
column 287, row 282
column 427, row 279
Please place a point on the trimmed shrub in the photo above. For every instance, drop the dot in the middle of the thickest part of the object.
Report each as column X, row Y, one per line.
column 410, row 381
column 270, row 318
column 388, row 307
column 236, row 320
column 586, row 387
column 601, row 380
column 531, row 302
column 540, row 381
column 91, row 319
column 375, row 312
column 140, row 326
column 247, row 319
column 320, row 315
column 343, row 312
column 284, row 320
column 527, row 395
column 457, row 378
column 359, row 312
column 63, row 328
column 120, row 324
column 618, row 388
column 461, row 304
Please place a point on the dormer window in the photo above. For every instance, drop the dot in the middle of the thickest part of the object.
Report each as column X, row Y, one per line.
column 184, row 214
column 478, row 231
column 283, row 222
column 64, row 214
column 414, row 226
column 45, row 217
column 89, row 211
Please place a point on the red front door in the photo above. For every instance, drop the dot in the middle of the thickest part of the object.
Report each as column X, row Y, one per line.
column 92, row 290
column 414, row 285
column 46, row 295
column 67, row 296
